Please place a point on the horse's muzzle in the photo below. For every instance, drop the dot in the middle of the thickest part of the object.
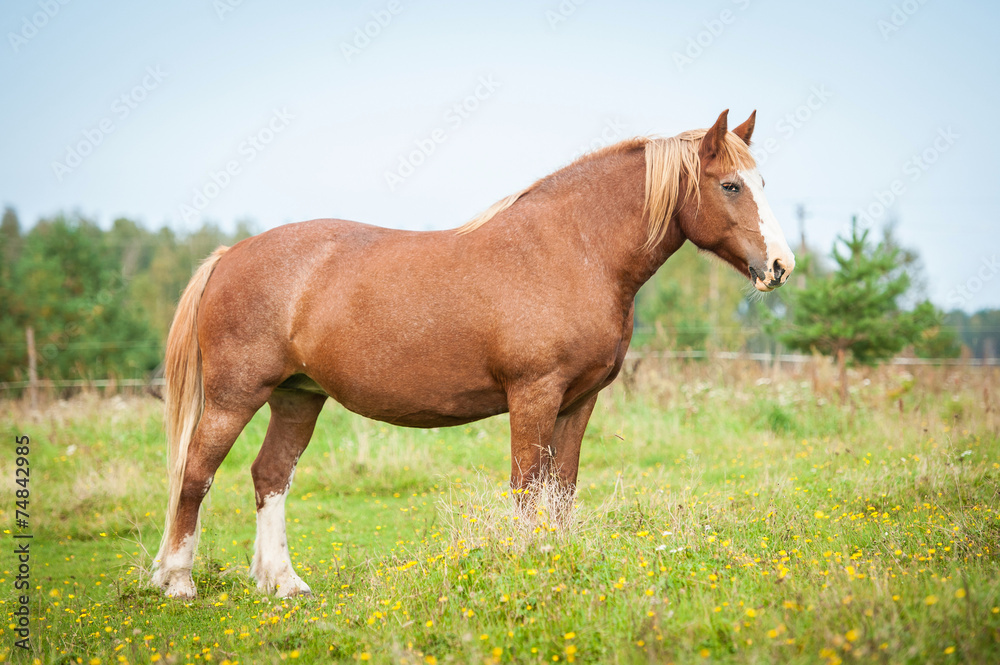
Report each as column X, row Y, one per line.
column 768, row 280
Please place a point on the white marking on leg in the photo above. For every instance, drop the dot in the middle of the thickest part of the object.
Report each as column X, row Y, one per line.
column 272, row 565
column 174, row 569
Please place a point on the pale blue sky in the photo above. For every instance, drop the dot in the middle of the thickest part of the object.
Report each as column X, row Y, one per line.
column 551, row 88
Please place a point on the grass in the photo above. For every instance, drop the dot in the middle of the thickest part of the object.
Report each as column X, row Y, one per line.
column 726, row 514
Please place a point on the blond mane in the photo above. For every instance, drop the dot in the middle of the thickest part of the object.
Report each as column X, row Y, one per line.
column 667, row 159
column 492, row 211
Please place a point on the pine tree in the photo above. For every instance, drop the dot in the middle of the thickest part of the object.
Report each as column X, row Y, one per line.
column 856, row 309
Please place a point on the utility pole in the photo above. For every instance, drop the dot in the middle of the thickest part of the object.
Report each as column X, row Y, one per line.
column 800, row 214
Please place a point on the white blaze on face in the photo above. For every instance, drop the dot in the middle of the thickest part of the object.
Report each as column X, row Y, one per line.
column 774, row 238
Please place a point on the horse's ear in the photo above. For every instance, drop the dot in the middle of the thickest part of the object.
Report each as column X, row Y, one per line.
column 712, row 143
column 745, row 131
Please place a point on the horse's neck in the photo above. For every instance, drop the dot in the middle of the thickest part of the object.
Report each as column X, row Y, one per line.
column 604, row 199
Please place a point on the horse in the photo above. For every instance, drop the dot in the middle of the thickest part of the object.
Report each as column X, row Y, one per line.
column 526, row 309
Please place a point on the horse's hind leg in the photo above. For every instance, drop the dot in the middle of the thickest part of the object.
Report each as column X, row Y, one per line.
column 293, row 418
column 212, row 440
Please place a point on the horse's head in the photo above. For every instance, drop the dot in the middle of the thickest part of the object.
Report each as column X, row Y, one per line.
column 730, row 217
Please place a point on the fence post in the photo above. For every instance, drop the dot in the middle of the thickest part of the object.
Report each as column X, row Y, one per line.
column 32, row 369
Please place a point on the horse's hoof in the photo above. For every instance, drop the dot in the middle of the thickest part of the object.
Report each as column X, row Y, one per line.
column 296, row 588
column 182, row 588
column 176, row 584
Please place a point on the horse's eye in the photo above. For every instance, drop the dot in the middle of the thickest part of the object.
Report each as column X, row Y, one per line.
column 731, row 187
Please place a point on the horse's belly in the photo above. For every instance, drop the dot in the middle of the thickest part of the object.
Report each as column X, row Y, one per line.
column 414, row 409
column 410, row 403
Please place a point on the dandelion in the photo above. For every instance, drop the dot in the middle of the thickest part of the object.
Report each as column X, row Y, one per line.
column 930, row 600
column 959, row 593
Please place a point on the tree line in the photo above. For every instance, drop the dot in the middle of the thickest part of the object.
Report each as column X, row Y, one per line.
column 99, row 301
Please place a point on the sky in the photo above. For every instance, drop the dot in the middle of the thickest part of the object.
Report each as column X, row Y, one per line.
column 418, row 115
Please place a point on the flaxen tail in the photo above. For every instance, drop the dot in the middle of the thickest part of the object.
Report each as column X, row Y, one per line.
column 184, row 392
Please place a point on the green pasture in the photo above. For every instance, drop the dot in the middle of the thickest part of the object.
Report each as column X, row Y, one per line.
column 724, row 516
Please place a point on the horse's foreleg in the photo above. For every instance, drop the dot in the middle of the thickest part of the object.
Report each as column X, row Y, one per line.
column 566, row 439
column 533, row 411
column 214, row 436
column 293, row 418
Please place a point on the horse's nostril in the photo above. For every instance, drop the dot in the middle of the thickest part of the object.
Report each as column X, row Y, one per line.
column 779, row 269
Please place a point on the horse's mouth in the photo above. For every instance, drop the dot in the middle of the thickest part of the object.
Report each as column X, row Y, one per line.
column 759, row 283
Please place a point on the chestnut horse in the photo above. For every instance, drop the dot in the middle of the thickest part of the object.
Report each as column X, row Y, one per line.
column 526, row 309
